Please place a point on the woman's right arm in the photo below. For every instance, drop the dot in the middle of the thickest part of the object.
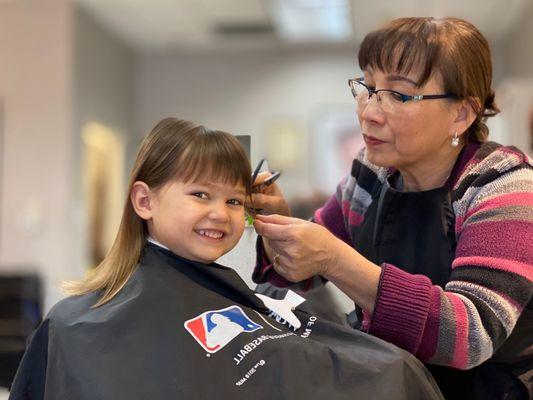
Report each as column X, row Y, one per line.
column 272, row 202
column 345, row 207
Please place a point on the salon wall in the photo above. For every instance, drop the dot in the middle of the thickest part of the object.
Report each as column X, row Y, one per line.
column 104, row 87
column 249, row 93
column 104, row 73
column 59, row 69
column 519, row 47
column 35, row 89
column 514, row 92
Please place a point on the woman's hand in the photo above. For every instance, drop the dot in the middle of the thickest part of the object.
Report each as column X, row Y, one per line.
column 270, row 200
column 298, row 249
column 301, row 249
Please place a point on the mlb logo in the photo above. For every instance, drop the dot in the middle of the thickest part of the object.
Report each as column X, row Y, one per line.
column 215, row 329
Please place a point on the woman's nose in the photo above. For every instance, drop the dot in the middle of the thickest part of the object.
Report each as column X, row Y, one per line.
column 372, row 112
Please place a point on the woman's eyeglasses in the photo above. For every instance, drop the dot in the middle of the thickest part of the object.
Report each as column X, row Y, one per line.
column 390, row 101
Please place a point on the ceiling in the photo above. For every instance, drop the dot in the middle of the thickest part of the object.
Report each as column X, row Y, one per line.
column 163, row 25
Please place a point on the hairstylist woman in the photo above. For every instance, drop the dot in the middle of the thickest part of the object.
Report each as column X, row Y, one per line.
column 431, row 234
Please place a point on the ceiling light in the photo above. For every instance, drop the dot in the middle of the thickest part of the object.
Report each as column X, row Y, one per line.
column 311, row 20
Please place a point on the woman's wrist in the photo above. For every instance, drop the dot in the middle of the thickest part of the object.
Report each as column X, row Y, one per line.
column 355, row 275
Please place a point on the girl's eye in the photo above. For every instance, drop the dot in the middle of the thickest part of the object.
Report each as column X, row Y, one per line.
column 235, row 202
column 200, row 195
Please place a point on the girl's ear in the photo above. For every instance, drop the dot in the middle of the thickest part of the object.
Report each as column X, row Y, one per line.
column 141, row 198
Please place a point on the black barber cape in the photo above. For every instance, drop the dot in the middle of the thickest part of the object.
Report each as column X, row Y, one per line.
column 185, row 330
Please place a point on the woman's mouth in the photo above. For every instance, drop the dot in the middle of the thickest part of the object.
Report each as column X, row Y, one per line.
column 372, row 141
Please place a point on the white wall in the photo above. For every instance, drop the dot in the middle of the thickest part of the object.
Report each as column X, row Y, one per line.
column 514, row 92
column 104, row 88
column 519, row 47
column 58, row 70
column 104, row 77
column 244, row 92
column 35, row 89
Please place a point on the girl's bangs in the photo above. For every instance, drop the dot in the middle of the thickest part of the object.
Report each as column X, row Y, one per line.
column 214, row 156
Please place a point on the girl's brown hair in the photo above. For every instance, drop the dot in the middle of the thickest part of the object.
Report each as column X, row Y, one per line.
column 174, row 149
column 451, row 47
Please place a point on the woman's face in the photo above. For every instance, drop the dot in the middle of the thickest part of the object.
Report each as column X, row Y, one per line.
column 416, row 132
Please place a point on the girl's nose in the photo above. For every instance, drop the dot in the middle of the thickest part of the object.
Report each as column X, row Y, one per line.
column 219, row 212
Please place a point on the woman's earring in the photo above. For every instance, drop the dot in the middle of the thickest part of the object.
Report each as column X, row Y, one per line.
column 455, row 140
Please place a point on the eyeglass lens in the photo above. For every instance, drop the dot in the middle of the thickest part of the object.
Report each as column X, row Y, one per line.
column 386, row 100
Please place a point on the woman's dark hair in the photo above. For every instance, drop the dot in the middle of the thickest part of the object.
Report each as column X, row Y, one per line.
column 451, row 47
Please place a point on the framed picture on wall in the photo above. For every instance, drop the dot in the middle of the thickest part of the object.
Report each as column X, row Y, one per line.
column 335, row 141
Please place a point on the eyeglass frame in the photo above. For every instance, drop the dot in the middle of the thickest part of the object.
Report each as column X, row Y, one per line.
column 405, row 98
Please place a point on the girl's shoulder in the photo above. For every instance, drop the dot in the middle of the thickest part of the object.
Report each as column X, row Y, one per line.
column 71, row 308
column 81, row 308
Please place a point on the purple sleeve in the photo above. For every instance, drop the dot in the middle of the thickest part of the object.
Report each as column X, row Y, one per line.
column 330, row 216
column 264, row 270
column 402, row 308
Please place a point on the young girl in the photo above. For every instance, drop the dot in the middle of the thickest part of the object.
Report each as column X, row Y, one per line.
column 159, row 319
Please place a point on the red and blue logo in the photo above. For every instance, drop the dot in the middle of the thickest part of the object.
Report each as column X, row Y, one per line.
column 215, row 329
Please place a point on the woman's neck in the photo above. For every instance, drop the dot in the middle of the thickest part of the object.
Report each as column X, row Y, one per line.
column 429, row 175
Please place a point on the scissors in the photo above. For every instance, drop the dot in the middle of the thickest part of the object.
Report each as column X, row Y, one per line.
column 257, row 169
column 268, row 181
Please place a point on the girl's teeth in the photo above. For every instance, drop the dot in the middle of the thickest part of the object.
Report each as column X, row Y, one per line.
column 211, row 234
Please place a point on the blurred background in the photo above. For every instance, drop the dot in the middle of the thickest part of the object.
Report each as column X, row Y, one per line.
column 81, row 82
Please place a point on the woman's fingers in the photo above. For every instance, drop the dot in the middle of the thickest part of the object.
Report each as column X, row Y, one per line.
column 301, row 248
column 279, row 227
column 261, row 178
column 270, row 200
column 279, row 219
column 271, row 231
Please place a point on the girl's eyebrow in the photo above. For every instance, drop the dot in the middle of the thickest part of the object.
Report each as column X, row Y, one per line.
column 215, row 186
column 241, row 192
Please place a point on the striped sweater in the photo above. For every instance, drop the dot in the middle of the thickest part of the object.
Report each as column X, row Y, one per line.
column 465, row 323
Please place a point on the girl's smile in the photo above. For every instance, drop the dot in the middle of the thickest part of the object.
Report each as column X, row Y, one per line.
column 210, row 233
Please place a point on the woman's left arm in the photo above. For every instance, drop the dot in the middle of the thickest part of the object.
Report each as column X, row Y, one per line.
column 490, row 284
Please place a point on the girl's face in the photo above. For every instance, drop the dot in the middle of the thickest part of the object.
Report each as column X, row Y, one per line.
column 415, row 132
column 199, row 221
